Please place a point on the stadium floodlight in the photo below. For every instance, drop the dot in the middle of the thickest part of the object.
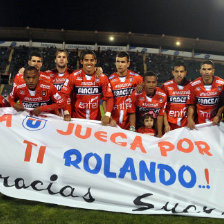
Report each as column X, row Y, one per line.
column 178, row 43
column 111, row 38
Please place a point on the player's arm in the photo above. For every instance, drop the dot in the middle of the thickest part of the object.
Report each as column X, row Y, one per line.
column 218, row 116
column 109, row 106
column 166, row 123
column 13, row 98
column 190, row 117
column 159, row 125
column 132, row 121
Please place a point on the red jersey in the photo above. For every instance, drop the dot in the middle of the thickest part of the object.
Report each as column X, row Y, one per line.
column 42, row 97
column 122, row 90
column 176, row 108
column 3, row 102
column 20, row 80
column 206, row 98
column 148, row 131
column 88, row 90
column 142, row 104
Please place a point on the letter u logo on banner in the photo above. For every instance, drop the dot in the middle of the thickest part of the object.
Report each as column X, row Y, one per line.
column 34, row 123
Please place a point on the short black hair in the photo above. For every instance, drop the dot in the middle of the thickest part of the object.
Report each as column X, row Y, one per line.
column 61, row 51
column 87, row 52
column 30, row 68
column 178, row 64
column 149, row 73
column 35, row 54
column 208, row 62
column 123, row 54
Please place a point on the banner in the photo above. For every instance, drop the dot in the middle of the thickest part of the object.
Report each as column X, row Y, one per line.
column 84, row 164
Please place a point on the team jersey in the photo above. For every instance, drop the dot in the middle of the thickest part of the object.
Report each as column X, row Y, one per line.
column 142, row 104
column 58, row 80
column 122, row 90
column 88, row 91
column 20, row 80
column 148, row 131
column 206, row 98
column 176, row 107
column 42, row 97
column 3, row 102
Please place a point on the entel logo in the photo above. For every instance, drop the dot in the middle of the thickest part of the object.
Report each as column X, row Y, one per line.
column 34, row 123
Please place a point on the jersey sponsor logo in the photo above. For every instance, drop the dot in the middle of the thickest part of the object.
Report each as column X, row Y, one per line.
column 38, row 99
column 94, row 90
column 180, row 114
column 77, row 73
column 34, row 123
column 177, row 99
column 33, row 104
column 167, row 83
column 57, row 96
column 21, row 86
column 170, row 88
column 87, row 83
column 45, row 86
column 181, row 92
column 209, row 94
column 160, row 93
column 147, row 109
column 123, row 106
column 220, row 82
column 207, row 114
column 123, row 85
column 122, row 92
column 58, row 86
column 208, row 101
column 89, row 105
column 195, row 83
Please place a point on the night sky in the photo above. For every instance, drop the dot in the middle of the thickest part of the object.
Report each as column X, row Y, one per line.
column 202, row 19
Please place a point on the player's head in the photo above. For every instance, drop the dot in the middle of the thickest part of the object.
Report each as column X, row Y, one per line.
column 31, row 77
column 61, row 58
column 88, row 61
column 150, row 82
column 207, row 71
column 122, row 63
column 179, row 72
column 35, row 59
column 148, row 120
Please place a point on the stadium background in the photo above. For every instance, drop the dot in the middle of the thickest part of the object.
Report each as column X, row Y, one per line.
column 149, row 50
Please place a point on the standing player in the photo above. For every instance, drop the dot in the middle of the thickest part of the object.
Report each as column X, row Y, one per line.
column 206, row 97
column 36, row 60
column 35, row 93
column 151, row 100
column 177, row 91
column 123, row 83
column 88, row 90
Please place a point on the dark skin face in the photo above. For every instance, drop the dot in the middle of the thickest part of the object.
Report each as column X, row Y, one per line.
column 31, row 79
column 150, row 84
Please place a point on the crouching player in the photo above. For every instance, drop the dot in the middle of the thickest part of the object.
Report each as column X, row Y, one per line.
column 36, row 94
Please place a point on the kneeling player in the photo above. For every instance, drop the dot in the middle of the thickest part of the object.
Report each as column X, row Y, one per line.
column 35, row 93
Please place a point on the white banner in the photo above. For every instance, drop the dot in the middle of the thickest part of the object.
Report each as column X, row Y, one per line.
column 83, row 164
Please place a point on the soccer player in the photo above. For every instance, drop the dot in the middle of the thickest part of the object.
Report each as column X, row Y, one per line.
column 36, row 94
column 206, row 98
column 36, row 60
column 3, row 102
column 177, row 91
column 151, row 100
column 88, row 90
column 123, row 83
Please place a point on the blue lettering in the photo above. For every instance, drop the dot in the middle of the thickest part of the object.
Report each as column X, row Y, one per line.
column 86, row 164
column 128, row 167
column 69, row 161
column 182, row 181
column 143, row 170
column 162, row 168
column 107, row 172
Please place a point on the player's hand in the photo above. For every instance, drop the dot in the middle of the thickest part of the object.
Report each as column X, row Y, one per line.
column 139, row 88
column 105, row 120
column 216, row 120
column 167, row 128
column 18, row 107
column 190, row 124
column 67, row 117
column 160, row 135
column 98, row 72
column 113, row 123
column 21, row 70
column 36, row 111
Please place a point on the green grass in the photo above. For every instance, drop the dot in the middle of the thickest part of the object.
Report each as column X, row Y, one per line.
column 17, row 211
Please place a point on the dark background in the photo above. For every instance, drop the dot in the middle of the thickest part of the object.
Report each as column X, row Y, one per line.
column 202, row 19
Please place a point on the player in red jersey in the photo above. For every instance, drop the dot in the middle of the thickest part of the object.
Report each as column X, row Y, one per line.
column 177, row 91
column 152, row 98
column 123, row 83
column 3, row 102
column 88, row 90
column 206, row 97
column 35, row 93
column 60, row 73
column 36, row 60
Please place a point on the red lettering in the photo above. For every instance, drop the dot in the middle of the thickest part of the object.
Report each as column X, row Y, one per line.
column 68, row 131
column 101, row 136
column 7, row 118
column 29, row 148
column 137, row 143
column 190, row 145
column 41, row 154
column 203, row 147
column 78, row 132
column 118, row 134
column 165, row 146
